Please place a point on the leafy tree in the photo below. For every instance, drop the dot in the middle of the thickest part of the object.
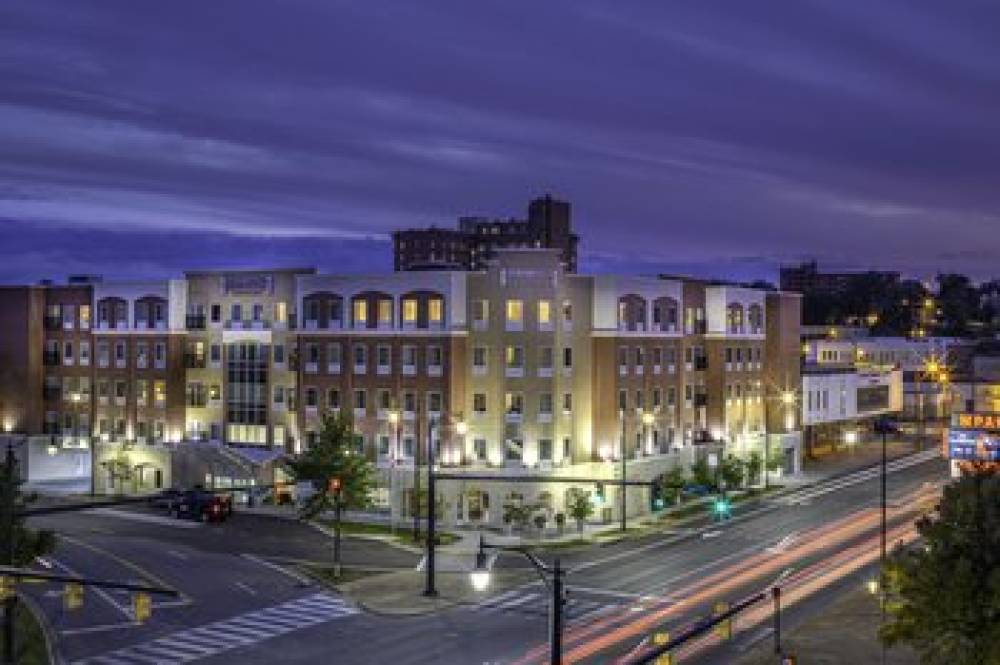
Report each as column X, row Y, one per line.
column 28, row 544
column 518, row 514
column 335, row 455
column 702, row 474
column 732, row 471
column 943, row 598
column 672, row 483
column 755, row 464
column 579, row 506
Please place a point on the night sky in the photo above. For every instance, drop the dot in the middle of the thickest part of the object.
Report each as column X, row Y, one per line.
column 140, row 138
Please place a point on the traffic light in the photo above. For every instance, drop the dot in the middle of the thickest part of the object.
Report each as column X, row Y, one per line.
column 659, row 639
column 73, row 596
column 721, row 507
column 142, row 606
column 656, row 501
column 6, row 588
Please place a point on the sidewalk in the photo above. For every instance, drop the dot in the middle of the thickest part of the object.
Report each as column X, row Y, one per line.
column 401, row 593
column 845, row 632
column 856, row 457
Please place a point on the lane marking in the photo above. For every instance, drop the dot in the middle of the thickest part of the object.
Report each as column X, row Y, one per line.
column 246, row 587
column 298, row 577
column 149, row 519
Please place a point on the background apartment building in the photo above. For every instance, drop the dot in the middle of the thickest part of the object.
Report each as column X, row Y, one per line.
column 477, row 238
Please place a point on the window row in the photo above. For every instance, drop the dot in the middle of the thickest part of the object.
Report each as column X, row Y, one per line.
column 515, row 309
column 67, row 317
column 407, row 357
column 514, row 359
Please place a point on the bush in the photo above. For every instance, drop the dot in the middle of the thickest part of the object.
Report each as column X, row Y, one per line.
column 540, row 520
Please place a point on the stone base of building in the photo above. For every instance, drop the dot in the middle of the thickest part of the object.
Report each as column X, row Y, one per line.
column 479, row 502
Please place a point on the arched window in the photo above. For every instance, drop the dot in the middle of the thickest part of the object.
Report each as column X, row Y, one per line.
column 734, row 318
column 665, row 313
column 632, row 313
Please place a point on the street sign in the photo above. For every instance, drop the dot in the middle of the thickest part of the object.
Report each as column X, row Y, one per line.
column 73, row 596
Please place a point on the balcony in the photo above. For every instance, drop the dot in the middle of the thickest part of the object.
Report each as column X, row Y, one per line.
column 700, row 400
column 194, row 321
column 51, row 358
column 701, row 363
column 197, row 401
column 51, row 393
column 53, row 323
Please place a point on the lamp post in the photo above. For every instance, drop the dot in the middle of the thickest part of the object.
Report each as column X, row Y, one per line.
column 416, row 482
column 624, row 467
column 430, row 589
column 480, row 578
column 393, row 461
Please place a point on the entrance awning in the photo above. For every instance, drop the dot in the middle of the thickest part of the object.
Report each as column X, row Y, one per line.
column 257, row 456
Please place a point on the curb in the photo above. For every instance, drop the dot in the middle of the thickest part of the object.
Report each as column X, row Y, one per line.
column 51, row 640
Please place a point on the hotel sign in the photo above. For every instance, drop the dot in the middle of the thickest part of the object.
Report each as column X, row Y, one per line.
column 983, row 421
column 975, row 437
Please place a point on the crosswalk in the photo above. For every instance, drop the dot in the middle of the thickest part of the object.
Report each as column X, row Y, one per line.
column 578, row 610
column 242, row 630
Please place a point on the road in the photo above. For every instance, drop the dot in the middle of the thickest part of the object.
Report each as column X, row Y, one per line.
column 236, row 605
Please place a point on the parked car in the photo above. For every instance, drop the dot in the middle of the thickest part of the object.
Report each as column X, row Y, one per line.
column 203, row 506
column 165, row 499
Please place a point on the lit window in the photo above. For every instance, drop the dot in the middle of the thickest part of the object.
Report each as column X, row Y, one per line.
column 281, row 312
column 360, row 311
column 385, row 311
column 435, row 310
column 515, row 311
column 409, row 311
column 544, row 312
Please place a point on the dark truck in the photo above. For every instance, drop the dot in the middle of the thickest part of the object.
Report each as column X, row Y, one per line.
column 201, row 505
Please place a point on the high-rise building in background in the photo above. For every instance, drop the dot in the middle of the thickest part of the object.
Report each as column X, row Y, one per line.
column 476, row 240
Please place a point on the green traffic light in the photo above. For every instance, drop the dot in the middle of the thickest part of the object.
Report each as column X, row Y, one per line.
column 721, row 507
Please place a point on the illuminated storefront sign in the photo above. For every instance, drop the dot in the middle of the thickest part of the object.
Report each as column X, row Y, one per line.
column 974, row 445
column 980, row 421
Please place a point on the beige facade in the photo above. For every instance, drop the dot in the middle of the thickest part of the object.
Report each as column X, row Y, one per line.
column 522, row 369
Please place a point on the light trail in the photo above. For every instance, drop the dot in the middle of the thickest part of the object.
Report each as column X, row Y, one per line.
column 588, row 640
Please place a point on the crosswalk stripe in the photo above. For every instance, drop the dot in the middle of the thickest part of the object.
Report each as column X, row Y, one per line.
column 250, row 628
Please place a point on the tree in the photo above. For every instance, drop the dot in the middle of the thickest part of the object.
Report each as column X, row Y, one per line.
column 20, row 545
column 943, row 597
column 516, row 513
column 754, row 466
column 579, row 506
column 672, row 483
column 732, row 471
column 702, row 474
column 335, row 455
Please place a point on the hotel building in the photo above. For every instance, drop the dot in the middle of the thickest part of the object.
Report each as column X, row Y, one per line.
column 523, row 368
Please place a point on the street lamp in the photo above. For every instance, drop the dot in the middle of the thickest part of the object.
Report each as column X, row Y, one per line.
column 480, row 579
column 430, row 590
column 621, row 412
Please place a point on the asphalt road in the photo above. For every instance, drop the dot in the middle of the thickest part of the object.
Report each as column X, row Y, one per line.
column 236, row 606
